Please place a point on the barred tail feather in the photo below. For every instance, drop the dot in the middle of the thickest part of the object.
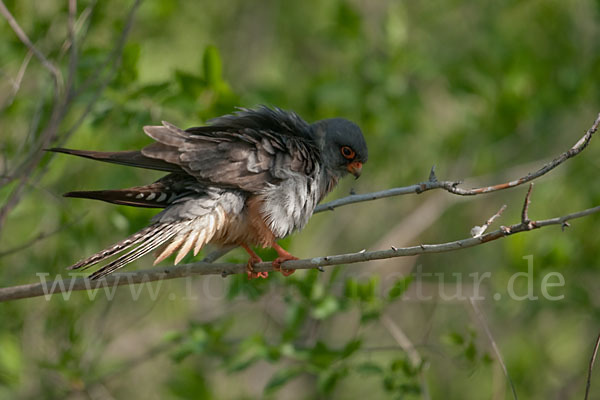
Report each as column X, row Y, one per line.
column 167, row 237
column 201, row 231
column 117, row 247
column 151, row 243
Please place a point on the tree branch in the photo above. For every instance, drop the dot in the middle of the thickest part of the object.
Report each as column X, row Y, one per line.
column 495, row 348
column 452, row 186
column 61, row 102
column 25, row 40
column 591, row 367
column 203, row 268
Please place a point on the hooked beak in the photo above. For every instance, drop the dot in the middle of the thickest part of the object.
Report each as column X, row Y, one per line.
column 355, row 168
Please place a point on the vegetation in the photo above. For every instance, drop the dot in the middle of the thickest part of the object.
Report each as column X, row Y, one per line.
column 490, row 90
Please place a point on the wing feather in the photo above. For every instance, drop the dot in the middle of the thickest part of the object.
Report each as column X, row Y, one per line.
column 248, row 159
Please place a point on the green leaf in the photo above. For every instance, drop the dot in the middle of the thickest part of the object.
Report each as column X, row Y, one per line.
column 351, row 347
column 351, row 289
column 455, row 338
column 10, row 360
column 471, row 351
column 400, row 287
column 369, row 368
column 211, row 62
column 325, row 308
column 128, row 70
column 190, row 85
column 295, row 316
column 329, row 379
column 322, row 356
column 281, row 377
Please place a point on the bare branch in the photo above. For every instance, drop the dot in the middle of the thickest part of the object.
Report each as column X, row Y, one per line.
column 404, row 342
column 73, row 46
column 113, row 60
column 224, row 269
column 59, row 109
column 452, row 186
column 524, row 213
column 488, row 333
column 48, row 134
column 25, row 40
column 591, row 367
column 477, row 231
column 16, row 83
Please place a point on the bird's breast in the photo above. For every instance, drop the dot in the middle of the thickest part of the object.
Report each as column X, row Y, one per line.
column 287, row 206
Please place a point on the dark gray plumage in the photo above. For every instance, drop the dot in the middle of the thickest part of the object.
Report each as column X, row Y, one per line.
column 248, row 178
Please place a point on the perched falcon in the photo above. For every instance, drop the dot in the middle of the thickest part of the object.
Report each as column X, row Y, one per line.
column 247, row 179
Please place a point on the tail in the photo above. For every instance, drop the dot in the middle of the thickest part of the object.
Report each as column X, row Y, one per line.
column 167, row 237
column 133, row 158
column 155, row 195
column 122, row 196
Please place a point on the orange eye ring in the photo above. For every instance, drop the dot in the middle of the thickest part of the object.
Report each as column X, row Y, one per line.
column 347, row 152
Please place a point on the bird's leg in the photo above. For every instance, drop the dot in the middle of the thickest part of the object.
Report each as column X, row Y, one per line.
column 283, row 256
column 254, row 258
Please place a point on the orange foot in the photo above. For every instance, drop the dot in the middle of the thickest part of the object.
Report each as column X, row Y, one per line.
column 283, row 256
column 254, row 258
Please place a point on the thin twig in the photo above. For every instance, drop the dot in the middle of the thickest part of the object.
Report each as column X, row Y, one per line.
column 488, row 333
column 25, row 40
column 406, row 345
column 73, row 46
column 524, row 213
column 16, row 83
column 59, row 110
column 477, row 231
column 591, row 366
column 452, row 186
column 224, row 269
column 113, row 59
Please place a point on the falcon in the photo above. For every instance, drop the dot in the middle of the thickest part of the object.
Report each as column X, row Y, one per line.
column 246, row 179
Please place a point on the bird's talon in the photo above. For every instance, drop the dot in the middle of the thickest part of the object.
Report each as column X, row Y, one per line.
column 280, row 260
column 254, row 258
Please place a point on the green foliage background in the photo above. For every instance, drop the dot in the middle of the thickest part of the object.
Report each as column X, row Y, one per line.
column 491, row 89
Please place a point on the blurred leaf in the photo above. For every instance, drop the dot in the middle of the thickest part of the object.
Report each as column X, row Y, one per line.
column 328, row 306
column 189, row 383
column 280, row 378
column 330, row 378
column 10, row 360
column 212, row 65
column 400, row 287
column 351, row 347
column 128, row 70
column 295, row 317
column 369, row 368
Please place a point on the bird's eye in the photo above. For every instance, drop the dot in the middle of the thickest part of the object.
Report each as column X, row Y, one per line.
column 347, row 152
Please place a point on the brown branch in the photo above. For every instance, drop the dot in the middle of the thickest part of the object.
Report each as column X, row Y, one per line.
column 591, row 367
column 525, row 212
column 224, row 269
column 452, row 186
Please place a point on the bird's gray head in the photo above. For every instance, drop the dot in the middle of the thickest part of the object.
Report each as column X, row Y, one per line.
column 342, row 145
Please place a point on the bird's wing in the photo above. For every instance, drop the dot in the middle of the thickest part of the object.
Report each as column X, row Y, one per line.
column 243, row 158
